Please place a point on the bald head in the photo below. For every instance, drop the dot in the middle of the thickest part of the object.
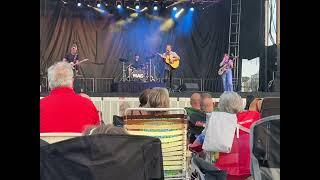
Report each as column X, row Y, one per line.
column 195, row 100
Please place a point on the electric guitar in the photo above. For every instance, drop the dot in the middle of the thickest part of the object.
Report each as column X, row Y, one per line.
column 74, row 64
column 171, row 61
column 225, row 67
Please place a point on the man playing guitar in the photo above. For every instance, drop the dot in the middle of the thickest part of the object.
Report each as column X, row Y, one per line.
column 73, row 57
column 172, row 62
column 226, row 72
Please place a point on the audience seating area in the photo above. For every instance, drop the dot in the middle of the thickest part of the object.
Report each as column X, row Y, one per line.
column 170, row 125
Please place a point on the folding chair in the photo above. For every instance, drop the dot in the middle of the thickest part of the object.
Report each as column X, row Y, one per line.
column 56, row 137
column 171, row 129
column 101, row 157
column 265, row 148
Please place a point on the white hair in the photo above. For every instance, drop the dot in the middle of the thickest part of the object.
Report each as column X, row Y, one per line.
column 60, row 75
column 230, row 102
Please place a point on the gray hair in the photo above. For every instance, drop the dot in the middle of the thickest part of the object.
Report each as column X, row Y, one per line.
column 230, row 102
column 60, row 75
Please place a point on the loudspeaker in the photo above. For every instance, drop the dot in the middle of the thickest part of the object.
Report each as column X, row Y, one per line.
column 189, row 87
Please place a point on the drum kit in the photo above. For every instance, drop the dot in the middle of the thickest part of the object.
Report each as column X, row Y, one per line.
column 143, row 73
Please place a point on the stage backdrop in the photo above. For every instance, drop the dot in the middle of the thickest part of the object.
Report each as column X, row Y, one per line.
column 199, row 37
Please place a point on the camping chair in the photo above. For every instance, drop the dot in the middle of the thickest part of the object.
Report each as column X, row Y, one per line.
column 171, row 129
column 270, row 106
column 56, row 137
column 265, row 148
column 101, row 157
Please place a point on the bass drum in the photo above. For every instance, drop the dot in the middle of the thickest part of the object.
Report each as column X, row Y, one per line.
column 138, row 74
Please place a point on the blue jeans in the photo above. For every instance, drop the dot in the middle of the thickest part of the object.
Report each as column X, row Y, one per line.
column 227, row 80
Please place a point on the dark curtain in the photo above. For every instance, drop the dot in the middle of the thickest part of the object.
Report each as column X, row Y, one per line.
column 200, row 38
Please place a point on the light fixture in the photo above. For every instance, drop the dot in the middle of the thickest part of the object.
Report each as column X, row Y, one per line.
column 174, row 8
column 155, row 5
column 78, row 4
column 98, row 5
column 137, row 5
column 179, row 13
column 118, row 4
column 191, row 9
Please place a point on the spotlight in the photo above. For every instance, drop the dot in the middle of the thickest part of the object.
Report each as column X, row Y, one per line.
column 137, row 5
column 191, row 9
column 178, row 13
column 118, row 4
column 79, row 4
column 155, row 5
column 174, row 8
column 98, row 5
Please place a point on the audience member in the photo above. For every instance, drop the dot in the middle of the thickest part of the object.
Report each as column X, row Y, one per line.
column 207, row 103
column 63, row 110
column 195, row 100
column 249, row 99
column 230, row 102
column 104, row 129
column 143, row 98
column 123, row 107
column 85, row 96
column 255, row 105
column 158, row 98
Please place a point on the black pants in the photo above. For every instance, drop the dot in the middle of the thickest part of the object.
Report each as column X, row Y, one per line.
column 168, row 77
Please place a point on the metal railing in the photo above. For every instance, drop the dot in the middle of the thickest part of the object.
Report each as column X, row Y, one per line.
column 103, row 85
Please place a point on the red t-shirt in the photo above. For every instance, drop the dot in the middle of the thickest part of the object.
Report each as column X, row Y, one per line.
column 65, row 111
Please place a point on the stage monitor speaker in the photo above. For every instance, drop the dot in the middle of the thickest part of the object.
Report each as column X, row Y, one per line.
column 189, row 87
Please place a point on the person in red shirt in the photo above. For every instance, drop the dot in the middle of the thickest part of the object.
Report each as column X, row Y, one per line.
column 63, row 110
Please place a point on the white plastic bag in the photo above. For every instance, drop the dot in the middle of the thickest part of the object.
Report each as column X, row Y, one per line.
column 220, row 132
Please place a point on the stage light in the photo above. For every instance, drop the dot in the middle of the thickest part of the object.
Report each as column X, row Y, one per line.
column 137, row 7
column 118, row 4
column 178, row 13
column 191, row 9
column 98, row 5
column 79, row 4
column 144, row 9
column 155, row 8
column 174, row 8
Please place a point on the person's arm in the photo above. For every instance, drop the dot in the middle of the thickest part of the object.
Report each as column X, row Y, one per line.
column 231, row 63
column 222, row 62
column 175, row 56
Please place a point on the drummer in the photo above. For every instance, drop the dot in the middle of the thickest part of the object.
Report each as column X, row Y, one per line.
column 136, row 62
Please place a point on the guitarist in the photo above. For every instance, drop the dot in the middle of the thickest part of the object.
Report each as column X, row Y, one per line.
column 168, row 69
column 227, row 65
column 73, row 57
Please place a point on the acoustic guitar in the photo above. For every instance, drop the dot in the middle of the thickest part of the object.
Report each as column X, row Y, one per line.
column 171, row 61
column 225, row 67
